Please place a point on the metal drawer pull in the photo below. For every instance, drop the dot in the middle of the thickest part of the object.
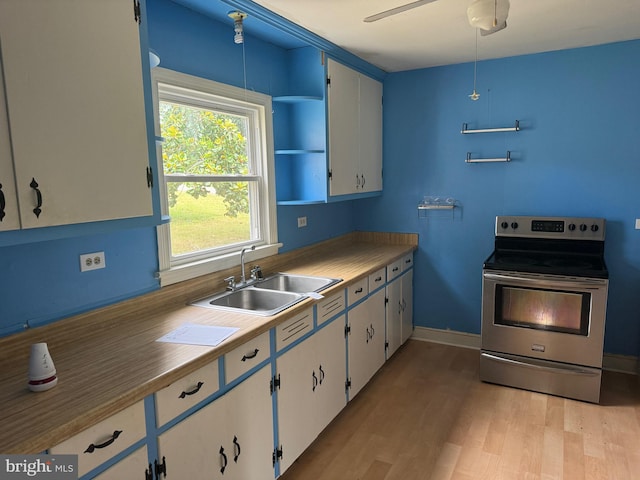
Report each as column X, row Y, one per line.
column 192, row 392
column 224, row 462
column 93, row 446
column 315, row 381
column 35, row 185
column 359, row 290
column 378, row 279
column 321, row 374
column 236, row 449
column 395, row 269
column 250, row 355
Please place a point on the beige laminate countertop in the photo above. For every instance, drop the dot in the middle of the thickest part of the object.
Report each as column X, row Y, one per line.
column 108, row 359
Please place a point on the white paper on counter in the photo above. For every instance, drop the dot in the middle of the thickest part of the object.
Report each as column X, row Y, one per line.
column 193, row 334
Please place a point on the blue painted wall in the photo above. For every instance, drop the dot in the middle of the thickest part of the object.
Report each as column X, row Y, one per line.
column 578, row 154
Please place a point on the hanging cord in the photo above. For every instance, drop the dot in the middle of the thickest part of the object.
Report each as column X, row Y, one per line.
column 244, row 71
column 475, row 95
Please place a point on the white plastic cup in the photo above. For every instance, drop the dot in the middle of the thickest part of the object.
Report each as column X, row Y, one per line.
column 42, row 372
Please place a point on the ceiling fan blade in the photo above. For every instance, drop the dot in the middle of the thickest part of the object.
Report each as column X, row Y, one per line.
column 396, row 10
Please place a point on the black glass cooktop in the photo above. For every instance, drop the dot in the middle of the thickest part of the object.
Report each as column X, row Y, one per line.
column 570, row 258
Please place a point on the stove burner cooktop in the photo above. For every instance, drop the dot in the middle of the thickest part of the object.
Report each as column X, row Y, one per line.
column 549, row 245
column 548, row 263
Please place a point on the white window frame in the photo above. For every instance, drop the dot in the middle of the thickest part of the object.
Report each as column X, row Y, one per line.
column 198, row 90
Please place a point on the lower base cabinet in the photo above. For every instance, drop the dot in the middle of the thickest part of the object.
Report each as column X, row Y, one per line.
column 134, row 466
column 231, row 438
column 407, row 306
column 312, row 389
column 366, row 341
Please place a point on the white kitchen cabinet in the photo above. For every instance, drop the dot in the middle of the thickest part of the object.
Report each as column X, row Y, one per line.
column 366, row 340
column 312, row 389
column 9, row 216
column 406, row 328
column 75, row 104
column 133, row 467
column 106, row 439
column 185, row 393
column 231, row 438
column 399, row 306
column 354, row 131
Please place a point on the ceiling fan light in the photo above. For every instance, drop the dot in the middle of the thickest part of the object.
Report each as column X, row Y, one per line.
column 487, row 14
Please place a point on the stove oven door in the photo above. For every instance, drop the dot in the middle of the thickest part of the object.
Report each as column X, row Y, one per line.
column 547, row 317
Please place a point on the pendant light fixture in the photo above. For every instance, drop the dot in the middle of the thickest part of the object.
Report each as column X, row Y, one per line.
column 475, row 95
column 238, row 18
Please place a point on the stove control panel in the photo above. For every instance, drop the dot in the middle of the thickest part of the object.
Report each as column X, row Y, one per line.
column 579, row 228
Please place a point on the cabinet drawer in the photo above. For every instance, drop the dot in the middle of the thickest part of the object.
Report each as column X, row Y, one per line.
column 407, row 262
column 358, row 291
column 394, row 269
column 246, row 356
column 294, row 328
column 330, row 307
column 99, row 443
column 377, row 279
column 183, row 394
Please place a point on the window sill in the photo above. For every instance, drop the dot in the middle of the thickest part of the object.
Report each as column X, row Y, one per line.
column 204, row 267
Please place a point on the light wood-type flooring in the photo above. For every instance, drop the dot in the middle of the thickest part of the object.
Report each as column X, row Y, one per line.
column 426, row 415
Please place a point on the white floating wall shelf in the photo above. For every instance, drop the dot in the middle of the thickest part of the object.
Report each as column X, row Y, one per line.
column 465, row 130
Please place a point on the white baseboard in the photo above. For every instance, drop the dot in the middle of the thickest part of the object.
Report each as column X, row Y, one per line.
column 612, row 362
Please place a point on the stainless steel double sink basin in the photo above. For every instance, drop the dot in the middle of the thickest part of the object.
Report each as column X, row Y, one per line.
column 268, row 296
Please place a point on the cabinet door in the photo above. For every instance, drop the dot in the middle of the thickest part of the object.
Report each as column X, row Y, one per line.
column 407, row 305
column 249, row 436
column 370, row 160
column 394, row 316
column 9, row 219
column 76, row 108
column 296, row 401
column 192, row 448
column 331, row 369
column 366, row 341
column 131, row 467
column 343, row 119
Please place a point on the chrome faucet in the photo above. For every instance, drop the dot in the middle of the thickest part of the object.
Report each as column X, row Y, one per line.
column 243, row 280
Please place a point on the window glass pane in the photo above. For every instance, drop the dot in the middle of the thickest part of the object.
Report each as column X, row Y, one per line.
column 203, row 142
column 208, row 215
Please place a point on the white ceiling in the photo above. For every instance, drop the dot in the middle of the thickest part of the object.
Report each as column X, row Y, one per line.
column 438, row 33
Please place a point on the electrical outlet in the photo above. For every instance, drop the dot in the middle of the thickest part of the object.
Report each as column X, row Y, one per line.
column 637, row 223
column 302, row 222
column 92, row 261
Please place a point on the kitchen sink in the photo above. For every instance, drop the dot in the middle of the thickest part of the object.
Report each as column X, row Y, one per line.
column 258, row 301
column 291, row 282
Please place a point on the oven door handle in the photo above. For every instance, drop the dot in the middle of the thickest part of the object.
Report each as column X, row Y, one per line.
column 569, row 370
column 586, row 283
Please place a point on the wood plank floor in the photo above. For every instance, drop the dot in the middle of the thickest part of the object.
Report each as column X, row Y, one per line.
column 426, row 415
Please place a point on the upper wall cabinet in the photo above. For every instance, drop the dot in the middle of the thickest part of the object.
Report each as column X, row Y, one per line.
column 9, row 219
column 74, row 113
column 328, row 132
column 355, row 131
